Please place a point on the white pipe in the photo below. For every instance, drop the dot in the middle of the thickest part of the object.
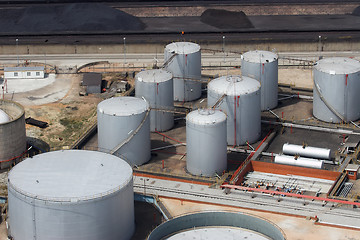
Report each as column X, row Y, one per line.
column 169, row 146
column 305, row 151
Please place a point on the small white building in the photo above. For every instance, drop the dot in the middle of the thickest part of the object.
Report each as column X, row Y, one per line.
column 23, row 72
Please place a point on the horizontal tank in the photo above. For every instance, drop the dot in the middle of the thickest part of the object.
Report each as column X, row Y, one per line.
column 156, row 86
column 12, row 133
column 183, row 59
column 305, row 151
column 336, row 90
column 239, row 98
column 206, row 146
column 263, row 66
column 217, row 225
column 299, row 161
column 73, row 195
column 124, row 128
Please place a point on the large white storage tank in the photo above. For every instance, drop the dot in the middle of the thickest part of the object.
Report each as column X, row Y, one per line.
column 299, row 161
column 183, row 59
column 336, row 90
column 263, row 66
column 206, row 146
column 12, row 133
column 156, row 86
column 124, row 128
column 306, row 151
column 241, row 103
column 73, row 195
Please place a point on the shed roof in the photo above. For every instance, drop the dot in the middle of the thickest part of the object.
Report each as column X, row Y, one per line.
column 20, row 69
column 91, row 79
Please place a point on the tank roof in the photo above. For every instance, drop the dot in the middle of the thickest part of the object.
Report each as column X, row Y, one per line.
column 123, row 106
column 206, row 116
column 154, row 75
column 4, row 118
column 225, row 233
column 258, row 56
column 70, row 175
column 337, row 65
column 183, row 47
column 234, row 85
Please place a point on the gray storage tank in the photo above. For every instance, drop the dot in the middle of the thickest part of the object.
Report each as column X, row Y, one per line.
column 239, row 98
column 183, row 59
column 206, row 146
column 263, row 66
column 336, row 90
column 12, row 133
column 124, row 128
column 73, row 195
column 217, row 225
column 156, row 86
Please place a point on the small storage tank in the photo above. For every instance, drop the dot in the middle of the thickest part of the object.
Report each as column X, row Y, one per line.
column 183, row 59
column 336, row 90
column 73, row 195
column 239, row 98
column 305, row 151
column 263, row 66
column 206, row 146
column 12, row 133
column 217, row 225
column 156, row 86
column 299, row 161
column 124, row 128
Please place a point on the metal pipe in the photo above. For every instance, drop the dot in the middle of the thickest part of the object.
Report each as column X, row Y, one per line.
column 168, row 146
column 315, row 128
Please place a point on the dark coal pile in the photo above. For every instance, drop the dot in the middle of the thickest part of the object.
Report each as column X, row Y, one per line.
column 223, row 19
column 356, row 11
column 67, row 18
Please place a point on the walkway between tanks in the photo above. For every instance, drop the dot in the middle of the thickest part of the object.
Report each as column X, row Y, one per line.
column 328, row 214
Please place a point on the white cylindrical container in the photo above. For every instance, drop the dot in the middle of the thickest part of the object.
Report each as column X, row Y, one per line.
column 183, row 59
column 300, row 161
column 241, row 105
column 156, row 86
column 124, row 127
column 305, row 151
column 263, row 66
column 73, row 195
column 12, row 133
column 336, row 90
column 206, row 146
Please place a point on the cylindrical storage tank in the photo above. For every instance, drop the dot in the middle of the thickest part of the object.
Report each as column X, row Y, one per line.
column 300, row 161
column 206, row 146
column 124, row 128
column 217, row 225
column 263, row 66
column 183, row 59
column 305, row 151
column 241, row 105
column 12, row 133
column 73, row 195
column 156, row 86
column 336, row 90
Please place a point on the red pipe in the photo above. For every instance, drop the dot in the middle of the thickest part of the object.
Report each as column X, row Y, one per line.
column 289, row 194
column 168, row 137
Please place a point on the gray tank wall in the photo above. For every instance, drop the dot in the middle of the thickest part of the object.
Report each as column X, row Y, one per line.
column 12, row 134
column 185, row 66
column 113, row 130
column 159, row 95
column 267, row 74
column 110, row 217
column 344, row 98
column 205, row 219
column 248, row 116
column 206, row 148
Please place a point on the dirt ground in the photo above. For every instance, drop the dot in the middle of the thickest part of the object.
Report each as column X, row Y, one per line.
column 295, row 228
